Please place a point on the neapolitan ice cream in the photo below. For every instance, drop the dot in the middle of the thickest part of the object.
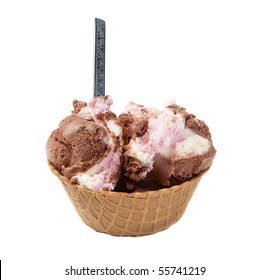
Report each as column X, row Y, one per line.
column 86, row 146
column 133, row 174
column 163, row 148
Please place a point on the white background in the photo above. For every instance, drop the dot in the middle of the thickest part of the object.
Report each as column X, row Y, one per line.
column 211, row 56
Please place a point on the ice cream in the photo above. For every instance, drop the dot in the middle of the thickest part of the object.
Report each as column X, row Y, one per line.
column 143, row 149
column 162, row 148
column 86, row 146
column 133, row 174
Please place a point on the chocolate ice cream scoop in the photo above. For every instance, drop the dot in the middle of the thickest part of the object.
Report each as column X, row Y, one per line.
column 86, row 146
column 162, row 148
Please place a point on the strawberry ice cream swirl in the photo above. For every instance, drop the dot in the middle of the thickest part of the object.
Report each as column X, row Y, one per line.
column 102, row 176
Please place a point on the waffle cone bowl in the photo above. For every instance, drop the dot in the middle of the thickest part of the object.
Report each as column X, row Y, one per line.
column 129, row 214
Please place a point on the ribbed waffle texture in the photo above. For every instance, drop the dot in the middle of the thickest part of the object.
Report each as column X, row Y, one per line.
column 135, row 214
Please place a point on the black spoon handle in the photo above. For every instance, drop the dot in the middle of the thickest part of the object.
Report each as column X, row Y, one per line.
column 99, row 63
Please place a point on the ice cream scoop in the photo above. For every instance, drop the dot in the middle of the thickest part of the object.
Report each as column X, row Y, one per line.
column 86, row 146
column 162, row 147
